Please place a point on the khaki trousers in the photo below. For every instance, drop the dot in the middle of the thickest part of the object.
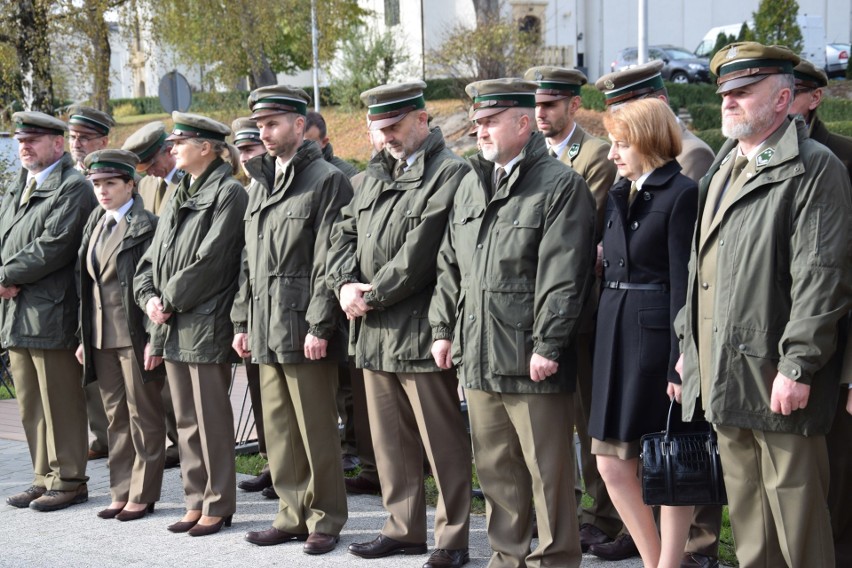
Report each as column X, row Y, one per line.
column 602, row 513
column 303, row 445
column 361, row 418
column 98, row 421
column 777, row 486
column 523, row 450
column 136, row 431
column 172, row 450
column 49, row 389
column 405, row 408
column 205, row 424
column 839, row 443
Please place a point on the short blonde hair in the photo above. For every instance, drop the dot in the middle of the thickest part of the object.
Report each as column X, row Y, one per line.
column 650, row 127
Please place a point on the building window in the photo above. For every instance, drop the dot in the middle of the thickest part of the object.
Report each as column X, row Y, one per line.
column 391, row 13
column 532, row 26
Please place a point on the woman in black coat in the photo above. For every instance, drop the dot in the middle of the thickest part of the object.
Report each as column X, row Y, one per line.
column 648, row 228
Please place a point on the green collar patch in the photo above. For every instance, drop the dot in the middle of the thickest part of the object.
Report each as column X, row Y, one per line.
column 764, row 157
column 573, row 150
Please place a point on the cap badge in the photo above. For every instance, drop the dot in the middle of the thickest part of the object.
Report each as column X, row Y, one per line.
column 474, row 92
column 374, row 100
column 573, row 150
column 731, row 53
column 764, row 157
column 609, row 84
column 539, row 75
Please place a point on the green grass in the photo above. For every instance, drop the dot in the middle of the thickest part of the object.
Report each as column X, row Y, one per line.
column 727, row 553
column 250, row 464
column 4, row 395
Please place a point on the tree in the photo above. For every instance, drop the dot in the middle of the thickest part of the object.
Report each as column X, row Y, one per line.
column 367, row 59
column 775, row 23
column 24, row 28
column 242, row 38
column 722, row 39
column 495, row 49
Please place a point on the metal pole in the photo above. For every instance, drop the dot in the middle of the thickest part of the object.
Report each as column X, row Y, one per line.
column 315, row 48
column 642, row 56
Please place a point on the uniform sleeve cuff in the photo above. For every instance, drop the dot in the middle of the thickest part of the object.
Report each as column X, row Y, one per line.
column 441, row 332
column 793, row 371
column 321, row 332
column 546, row 350
column 240, row 327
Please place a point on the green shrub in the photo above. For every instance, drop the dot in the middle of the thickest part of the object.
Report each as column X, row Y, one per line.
column 593, row 99
column 713, row 137
column 687, row 95
column 142, row 105
column 126, row 109
column 705, row 116
column 842, row 127
column 438, row 89
column 835, row 110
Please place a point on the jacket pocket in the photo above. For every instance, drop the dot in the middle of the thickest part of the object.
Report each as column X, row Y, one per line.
column 289, row 302
column 509, row 331
column 750, row 361
column 419, row 344
column 654, row 341
column 196, row 327
column 40, row 313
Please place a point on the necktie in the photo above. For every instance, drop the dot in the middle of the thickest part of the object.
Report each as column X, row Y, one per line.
column 634, row 190
column 28, row 191
column 109, row 223
column 499, row 176
column 279, row 177
column 399, row 168
column 739, row 165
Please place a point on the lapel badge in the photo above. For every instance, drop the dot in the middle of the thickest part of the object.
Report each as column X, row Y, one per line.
column 764, row 157
column 573, row 150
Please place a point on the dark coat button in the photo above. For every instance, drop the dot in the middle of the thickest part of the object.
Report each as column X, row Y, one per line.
column 634, row 225
column 646, row 196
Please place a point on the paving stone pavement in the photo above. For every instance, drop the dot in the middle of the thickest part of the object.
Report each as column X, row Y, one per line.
column 77, row 538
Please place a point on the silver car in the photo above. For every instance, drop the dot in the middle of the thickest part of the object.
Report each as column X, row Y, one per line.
column 836, row 59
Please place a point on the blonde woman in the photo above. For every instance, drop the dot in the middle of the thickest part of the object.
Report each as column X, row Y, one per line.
column 186, row 284
column 647, row 232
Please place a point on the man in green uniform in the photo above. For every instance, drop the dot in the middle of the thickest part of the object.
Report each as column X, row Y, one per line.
column 41, row 226
column 769, row 281
column 514, row 271
column 156, row 163
column 287, row 319
column 382, row 267
column 557, row 101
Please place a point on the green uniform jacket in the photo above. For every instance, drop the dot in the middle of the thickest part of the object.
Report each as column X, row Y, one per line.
column 38, row 251
column 588, row 156
column 514, row 272
column 283, row 295
column 695, row 155
column 782, row 284
column 389, row 237
column 328, row 155
column 140, row 232
column 193, row 266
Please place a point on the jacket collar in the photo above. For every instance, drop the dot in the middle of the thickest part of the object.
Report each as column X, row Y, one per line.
column 382, row 164
column 262, row 168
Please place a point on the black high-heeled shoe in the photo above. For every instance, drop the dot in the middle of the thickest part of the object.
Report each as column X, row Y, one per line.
column 125, row 515
column 204, row 530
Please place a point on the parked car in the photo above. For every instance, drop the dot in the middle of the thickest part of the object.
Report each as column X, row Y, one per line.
column 836, row 59
column 681, row 65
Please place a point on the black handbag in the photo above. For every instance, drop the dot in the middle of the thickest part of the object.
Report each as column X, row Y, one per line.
column 682, row 468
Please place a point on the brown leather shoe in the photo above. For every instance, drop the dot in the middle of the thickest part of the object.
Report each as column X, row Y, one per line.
column 590, row 534
column 448, row 558
column 695, row 560
column 256, row 484
column 23, row 499
column 320, row 543
column 126, row 515
column 382, row 546
column 361, row 486
column 621, row 548
column 171, row 461
column 95, row 455
column 273, row 536
column 56, row 500
column 269, row 493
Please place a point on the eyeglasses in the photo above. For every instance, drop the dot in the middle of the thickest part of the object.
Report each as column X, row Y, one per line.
column 81, row 138
column 800, row 91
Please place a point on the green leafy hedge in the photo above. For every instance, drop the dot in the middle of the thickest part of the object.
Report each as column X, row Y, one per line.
column 842, row 127
column 705, row 116
column 835, row 110
column 713, row 137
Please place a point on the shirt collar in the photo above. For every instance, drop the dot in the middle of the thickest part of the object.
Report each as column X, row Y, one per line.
column 507, row 167
column 42, row 175
column 559, row 148
column 122, row 211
